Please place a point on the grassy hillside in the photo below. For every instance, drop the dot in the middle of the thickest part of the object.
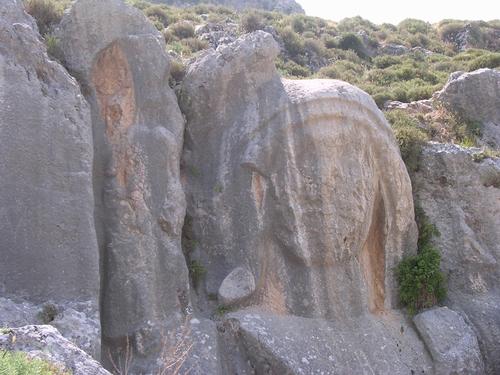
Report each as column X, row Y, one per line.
column 354, row 49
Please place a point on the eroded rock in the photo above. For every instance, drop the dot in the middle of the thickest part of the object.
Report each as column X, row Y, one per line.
column 451, row 342
column 48, row 242
column 300, row 180
column 140, row 205
column 475, row 96
column 46, row 343
column 236, row 287
column 294, row 345
column 461, row 197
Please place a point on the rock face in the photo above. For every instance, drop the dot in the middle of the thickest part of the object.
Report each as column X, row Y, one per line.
column 77, row 322
column 138, row 132
column 46, row 343
column 291, row 345
column 475, row 96
column 48, row 243
column 451, row 342
column 272, row 168
column 282, row 6
column 462, row 197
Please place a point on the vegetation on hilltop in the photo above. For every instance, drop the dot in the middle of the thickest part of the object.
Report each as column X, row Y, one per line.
column 403, row 62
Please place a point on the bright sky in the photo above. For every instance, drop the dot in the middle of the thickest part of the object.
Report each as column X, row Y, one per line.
column 394, row 11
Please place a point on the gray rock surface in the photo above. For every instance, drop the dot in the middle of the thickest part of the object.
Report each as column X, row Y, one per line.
column 46, row 343
column 140, row 205
column 236, row 287
column 78, row 322
column 462, row 198
column 48, row 242
column 289, row 345
column 476, row 97
column 452, row 343
column 299, row 181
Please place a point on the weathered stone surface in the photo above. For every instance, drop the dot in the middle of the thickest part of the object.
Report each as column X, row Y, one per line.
column 476, row 97
column 299, row 181
column 236, row 287
column 140, row 205
column 78, row 322
column 48, row 243
column 452, row 343
column 45, row 342
column 293, row 345
column 462, row 198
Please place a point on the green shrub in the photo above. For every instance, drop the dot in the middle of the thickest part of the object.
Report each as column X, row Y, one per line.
column 195, row 44
column 421, row 281
column 413, row 26
column 158, row 15
column 409, row 136
column 252, row 21
column 18, row 363
column 177, row 72
column 197, row 272
column 47, row 13
column 350, row 41
column 488, row 60
column 292, row 69
column 292, row 41
column 182, row 29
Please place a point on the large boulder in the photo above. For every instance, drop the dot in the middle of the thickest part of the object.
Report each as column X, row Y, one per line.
column 461, row 196
column 451, row 342
column 120, row 60
column 300, row 182
column 47, row 236
column 46, row 343
column 475, row 96
column 298, row 204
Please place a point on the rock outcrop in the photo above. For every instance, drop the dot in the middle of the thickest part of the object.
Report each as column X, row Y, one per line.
column 300, row 183
column 287, row 161
column 48, row 243
column 475, row 96
column 46, row 343
column 452, row 343
column 119, row 59
column 462, row 198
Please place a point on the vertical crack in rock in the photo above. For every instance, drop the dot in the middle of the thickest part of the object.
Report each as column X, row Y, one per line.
column 373, row 258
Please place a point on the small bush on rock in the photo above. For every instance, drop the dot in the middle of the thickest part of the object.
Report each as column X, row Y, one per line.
column 410, row 137
column 421, row 281
column 47, row 13
column 18, row 363
column 252, row 21
column 182, row 30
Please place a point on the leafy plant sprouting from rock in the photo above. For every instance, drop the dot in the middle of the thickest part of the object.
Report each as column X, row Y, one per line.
column 421, row 282
column 20, row 363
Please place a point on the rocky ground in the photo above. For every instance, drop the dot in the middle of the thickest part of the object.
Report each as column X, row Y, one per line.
column 242, row 223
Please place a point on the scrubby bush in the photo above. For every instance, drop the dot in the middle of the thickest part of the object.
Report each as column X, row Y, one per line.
column 158, row 15
column 488, row 60
column 47, row 13
column 252, row 21
column 293, row 43
column 421, row 281
column 350, row 41
column 410, row 137
column 413, row 26
column 182, row 29
column 292, row 69
column 18, row 363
